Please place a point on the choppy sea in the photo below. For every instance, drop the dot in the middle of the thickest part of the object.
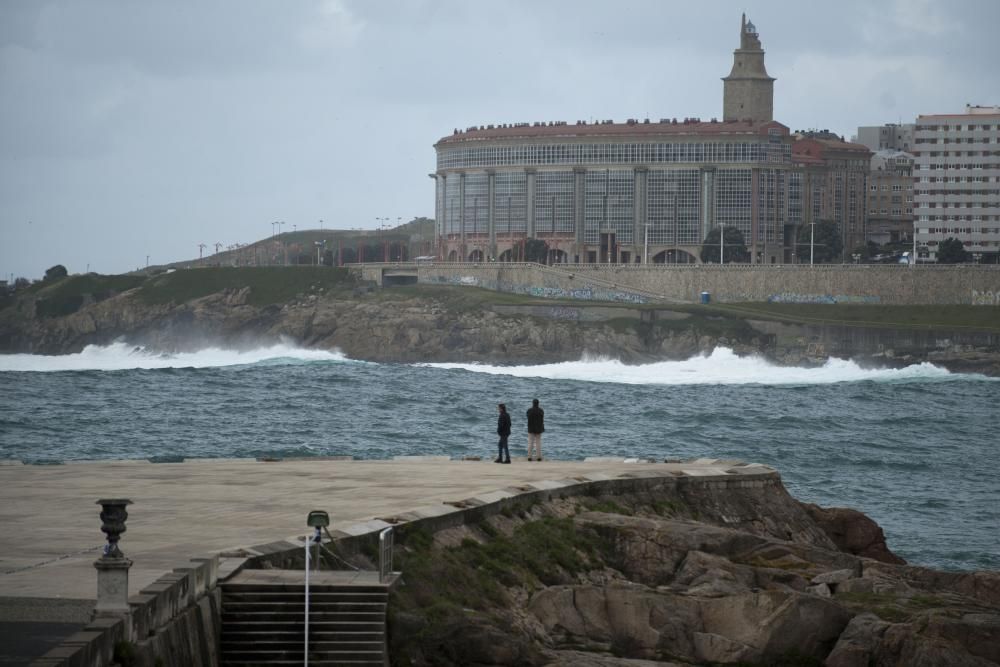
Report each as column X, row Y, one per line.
column 914, row 448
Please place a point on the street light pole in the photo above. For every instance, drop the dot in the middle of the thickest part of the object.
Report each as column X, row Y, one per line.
column 722, row 242
column 812, row 241
column 645, row 247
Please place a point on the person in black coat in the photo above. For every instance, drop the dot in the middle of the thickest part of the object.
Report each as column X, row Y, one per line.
column 536, row 426
column 503, row 430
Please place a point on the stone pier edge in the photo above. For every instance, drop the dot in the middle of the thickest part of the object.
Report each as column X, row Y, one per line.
column 179, row 614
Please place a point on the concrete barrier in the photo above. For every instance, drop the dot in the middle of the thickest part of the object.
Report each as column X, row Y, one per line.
column 176, row 620
column 876, row 284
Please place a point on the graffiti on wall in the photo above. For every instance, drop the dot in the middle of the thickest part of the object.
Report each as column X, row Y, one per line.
column 582, row 294
column 563, row 313
column 986, row 297
column 792, row 297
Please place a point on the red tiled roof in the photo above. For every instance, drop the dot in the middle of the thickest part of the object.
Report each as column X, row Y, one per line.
column 812, row 151
column 616, row 130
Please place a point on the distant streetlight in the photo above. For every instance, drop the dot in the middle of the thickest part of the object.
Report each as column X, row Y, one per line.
column 812, row 241
column 722, row 241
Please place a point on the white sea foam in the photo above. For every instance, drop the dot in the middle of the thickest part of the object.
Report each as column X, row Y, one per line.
column 121, row 356
column 722, row 366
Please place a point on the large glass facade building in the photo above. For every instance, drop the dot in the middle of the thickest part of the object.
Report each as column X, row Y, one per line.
column 633, row 192
column 615, row 192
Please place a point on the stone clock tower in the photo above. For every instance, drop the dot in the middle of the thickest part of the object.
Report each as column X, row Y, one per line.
column 748, row 92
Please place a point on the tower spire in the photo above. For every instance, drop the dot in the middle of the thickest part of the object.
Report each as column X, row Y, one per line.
column 748, row 91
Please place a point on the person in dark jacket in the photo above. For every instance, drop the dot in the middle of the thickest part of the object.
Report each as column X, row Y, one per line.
column 536, row 426
column 503, row 430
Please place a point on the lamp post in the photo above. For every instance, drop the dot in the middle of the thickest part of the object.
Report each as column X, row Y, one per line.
column 645, row 246
column 722, row 242
column 812, row 241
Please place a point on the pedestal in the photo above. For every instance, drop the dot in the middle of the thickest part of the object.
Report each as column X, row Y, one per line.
column 112, row 586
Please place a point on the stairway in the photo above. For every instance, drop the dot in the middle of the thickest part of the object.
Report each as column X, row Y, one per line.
column 263, row 620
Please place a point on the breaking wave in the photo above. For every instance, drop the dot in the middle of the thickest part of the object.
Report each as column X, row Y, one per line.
column 721, row 367
column 121, row 356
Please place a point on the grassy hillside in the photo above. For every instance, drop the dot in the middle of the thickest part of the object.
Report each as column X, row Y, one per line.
column 67, row 295
column 270, row 285
column 267, row 285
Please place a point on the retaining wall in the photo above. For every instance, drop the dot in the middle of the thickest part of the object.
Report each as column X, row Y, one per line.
column 827, row 283
column 176, row 620
column 732, row 480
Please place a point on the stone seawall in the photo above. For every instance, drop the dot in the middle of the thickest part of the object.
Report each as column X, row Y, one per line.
column 173, row 621
column 862, row 284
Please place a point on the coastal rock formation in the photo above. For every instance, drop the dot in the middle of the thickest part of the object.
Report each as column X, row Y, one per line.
column 444, row 323
column 363, row 325
column 637, row 580
column 853, row 532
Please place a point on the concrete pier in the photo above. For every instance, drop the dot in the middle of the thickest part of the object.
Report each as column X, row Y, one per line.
column 184, row 511
column 51, row 530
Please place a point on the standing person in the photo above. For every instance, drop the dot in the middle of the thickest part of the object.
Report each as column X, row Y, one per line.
column 503, row 430
column 536, row 426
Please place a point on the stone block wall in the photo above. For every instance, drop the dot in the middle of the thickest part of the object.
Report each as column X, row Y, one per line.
column 837, row 283
column 176, row 620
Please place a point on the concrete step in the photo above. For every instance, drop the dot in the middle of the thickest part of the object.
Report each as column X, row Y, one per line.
column 262, row 657
column 280, row 617
column 263, row 626
column 339, row 598
column 312, row 662
column 264, row 636
column 229, row 606
column 263, row 620
column 238, row 587
column 295, row 644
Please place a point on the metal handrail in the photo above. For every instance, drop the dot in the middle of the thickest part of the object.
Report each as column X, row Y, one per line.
column 385, row 540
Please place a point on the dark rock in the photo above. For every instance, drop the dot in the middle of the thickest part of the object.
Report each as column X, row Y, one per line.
column 853, row 532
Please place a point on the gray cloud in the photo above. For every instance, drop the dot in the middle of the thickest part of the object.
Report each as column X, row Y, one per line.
column 130, row 129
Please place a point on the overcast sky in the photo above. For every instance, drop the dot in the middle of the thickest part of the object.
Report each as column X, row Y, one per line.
column 130, row 128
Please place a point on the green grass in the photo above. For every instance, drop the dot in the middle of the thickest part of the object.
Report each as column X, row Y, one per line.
column 65, row 296
column 445, row 586
column 981, row 318
column 606, row 506
column 268, row 285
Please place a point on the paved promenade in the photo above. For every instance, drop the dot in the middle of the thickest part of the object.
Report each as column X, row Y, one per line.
column 51, row 526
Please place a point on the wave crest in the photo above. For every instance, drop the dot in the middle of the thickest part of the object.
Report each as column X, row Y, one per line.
column 722, row 366
column 121, row 356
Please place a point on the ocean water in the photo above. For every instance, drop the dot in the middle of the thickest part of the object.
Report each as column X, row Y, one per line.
column 914, row 448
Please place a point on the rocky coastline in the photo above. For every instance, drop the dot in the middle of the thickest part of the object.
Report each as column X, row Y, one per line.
column 387, row 325
column 703, row 574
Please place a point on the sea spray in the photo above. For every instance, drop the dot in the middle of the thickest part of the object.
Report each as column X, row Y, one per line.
column 121, row 356
column 721, row 367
